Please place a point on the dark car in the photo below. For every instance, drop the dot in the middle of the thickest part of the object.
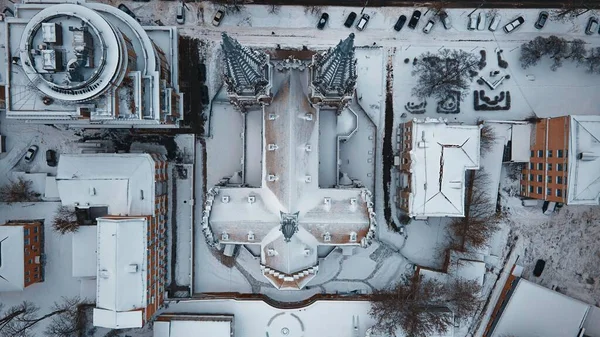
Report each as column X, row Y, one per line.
column 323, row 21
column 514, row 24
column 51, row 158
column 400, row 23
column 541, row 21
column 592, row 26
column 539, row 268
column 350, row 19
column 414, row 19
column 445, row 20
column 126, row 10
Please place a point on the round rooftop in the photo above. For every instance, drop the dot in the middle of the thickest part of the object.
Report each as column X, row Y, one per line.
column 71, row 53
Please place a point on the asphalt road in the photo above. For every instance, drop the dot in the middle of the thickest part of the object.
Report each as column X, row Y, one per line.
column 423, row 3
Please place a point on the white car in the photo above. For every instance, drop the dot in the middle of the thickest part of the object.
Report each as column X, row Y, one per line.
column 428, row 26
column 472, row 22
column 514, row 24
column 481, row 21
column 495, row 22
column 218, row 17
column 180, row 14
column 362, row 23
column 30, row 154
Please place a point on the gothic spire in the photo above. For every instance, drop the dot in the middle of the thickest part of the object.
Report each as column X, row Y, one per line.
column 245, row 69
column 335, row 71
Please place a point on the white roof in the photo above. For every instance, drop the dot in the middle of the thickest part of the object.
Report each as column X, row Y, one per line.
column 520, row 142
column 535, row 311
column 122, row 264
column 592, row 322
column 584, row 175
column 439, row 157
column 192, row 328
column 471, row 270
column 85, row 244
column 118, row 181
column 12, row 255
column 117, row 320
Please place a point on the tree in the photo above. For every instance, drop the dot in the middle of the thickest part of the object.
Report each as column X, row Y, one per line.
column 19, row 191
column 443, row 74
column 557, row 49
column 65, row 220
column 532, row 52
column 592, row 61
column 480, row 222
column 413, row 305
column 18, row 320
column 462, row 296
column 577, row 51
column 487, row 137
column 71, row 320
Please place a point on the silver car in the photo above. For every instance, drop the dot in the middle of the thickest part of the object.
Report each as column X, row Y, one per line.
column 428, row 26
column 30, row 154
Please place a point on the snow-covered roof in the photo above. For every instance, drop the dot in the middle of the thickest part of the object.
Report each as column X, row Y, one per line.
column 122, row 265
column 117, row 320
column 290, row 185
column 192, row 328
column 584, row 174
column 12, row 255
column 592, row 322
column 85, row 244
column 122, row 182
column 533, row 310
column 440, row 155
column 520, row 142
column 471, row 270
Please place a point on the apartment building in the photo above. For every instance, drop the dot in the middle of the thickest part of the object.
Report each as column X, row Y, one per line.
column 21, row 250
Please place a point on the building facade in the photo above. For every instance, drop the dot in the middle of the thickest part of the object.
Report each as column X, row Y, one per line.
column 564, row 164
column 433, row 160
column 21, row 251
column 88, row 64
column 131, row 253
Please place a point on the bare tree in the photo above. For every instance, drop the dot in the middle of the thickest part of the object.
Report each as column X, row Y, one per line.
column 443, row 74
column 487, row 137
column 413, row 305
column 18, row 320
column 557, row 50
column 71, row 320
column 462, row 296
column 19, row 191
column 315, row 10
column 480, row 221
column 577, row 51
column 65, row 220
column 592, row 61
column 273, row 9
column 532, row 52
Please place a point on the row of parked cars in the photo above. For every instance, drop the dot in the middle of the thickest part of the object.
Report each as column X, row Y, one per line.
column 32, row 151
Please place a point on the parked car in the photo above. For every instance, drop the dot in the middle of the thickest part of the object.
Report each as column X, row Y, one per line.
column 548, row 207
column 218, row 17
column 592, row 26
column 472, row 22
column 541, row 21
column 51, row 158
column 400, row 23
column 539, row 268
column 362, row 23
column 350, row 19
column 445, row 20
column 414, row 19
column 180, row 14
column 514, row 24
column 30, row 154
column 481, row 21
column 126, row 10
column 428, row 26
column 323, row 21
column 495, row 23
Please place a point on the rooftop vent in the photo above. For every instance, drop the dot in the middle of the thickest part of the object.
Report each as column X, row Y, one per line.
column 104, row 274
column 224, row 236
column 352, row 201
column 272, row 252
column 251, row 199
column 307, row 251
column 308, row 117
column 250, row 236
column 327, row 237
column 307, row 147
column 225, row 199
column 587, row 156
column 327, row 200
column 272, row 117
column 272, row 147
column 456, row 184
column 353, row 237
column 132, row 268
column 307, row 179
column 422, row 145
column 92, row 191
column 272, row 177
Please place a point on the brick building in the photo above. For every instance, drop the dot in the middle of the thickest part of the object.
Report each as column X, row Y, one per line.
column 564, row 165
column 21, row 250
column 434, row 158
column 131, row 242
